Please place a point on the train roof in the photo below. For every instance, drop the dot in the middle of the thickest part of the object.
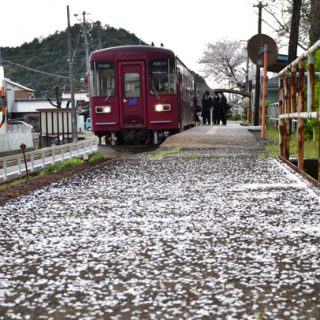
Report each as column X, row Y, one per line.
column 131, row 52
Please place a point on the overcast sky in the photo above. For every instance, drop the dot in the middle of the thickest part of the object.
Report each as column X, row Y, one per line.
column 183, row 26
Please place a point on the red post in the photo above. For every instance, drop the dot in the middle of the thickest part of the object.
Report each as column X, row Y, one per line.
column 293, row 90
column 287, row 121
column 281, row 122
column 300, row 120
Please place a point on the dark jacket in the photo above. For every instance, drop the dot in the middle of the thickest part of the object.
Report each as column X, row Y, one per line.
column 223, row 104
column 215, row 104
column 206, row 104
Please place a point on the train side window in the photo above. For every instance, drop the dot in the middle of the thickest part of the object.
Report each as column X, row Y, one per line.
column 162, row 77
column 104, row 79
column 132, row 85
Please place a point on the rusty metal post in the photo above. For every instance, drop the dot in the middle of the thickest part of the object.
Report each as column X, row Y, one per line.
column 319, row 140
column 280, row 111
column 311, row 78
column 264, row 91
column 286, row 121
column 300, row 144
column 293, row 94
column 319, row 153
column 300, row 120
column 23, row 149
column 282, row 129
column 293, row 91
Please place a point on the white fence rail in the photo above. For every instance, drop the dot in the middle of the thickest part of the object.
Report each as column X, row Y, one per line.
column 14, row 166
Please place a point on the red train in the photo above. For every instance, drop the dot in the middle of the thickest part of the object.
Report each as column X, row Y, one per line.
column 140, row 94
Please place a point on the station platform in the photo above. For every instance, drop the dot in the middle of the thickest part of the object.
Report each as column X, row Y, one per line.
column 213, row 136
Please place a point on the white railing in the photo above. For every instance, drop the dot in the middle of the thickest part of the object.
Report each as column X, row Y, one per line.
column 14, row 166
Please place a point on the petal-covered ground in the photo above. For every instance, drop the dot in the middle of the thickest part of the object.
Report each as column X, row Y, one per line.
column 190, row 234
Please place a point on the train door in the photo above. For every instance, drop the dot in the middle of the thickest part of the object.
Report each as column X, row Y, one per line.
column 132, row 94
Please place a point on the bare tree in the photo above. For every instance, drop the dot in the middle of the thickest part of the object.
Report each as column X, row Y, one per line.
column 281, row 14
column 314, row 31
column 58, row 103
column 294, row 30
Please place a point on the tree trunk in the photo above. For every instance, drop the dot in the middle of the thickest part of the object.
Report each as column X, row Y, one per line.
column 314, row 32
column 294, row 30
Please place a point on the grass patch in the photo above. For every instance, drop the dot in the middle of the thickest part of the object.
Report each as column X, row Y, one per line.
column 273, row 151
column 164, row 153
column 13, row 183
column 61, row 165
column 194, row 156
column 96, row 156
column 262, row 156
column 310, row 148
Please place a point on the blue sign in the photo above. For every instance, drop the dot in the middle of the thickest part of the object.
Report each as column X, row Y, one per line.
column 132, row 102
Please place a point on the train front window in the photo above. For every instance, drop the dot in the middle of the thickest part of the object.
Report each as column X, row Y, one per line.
column 104, row 81
column 132, row 85
column 161, row 77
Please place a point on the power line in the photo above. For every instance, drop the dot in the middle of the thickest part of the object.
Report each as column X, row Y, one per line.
column 35, row 70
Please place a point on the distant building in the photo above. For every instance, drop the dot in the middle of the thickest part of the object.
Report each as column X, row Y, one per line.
column 27, row 110
column 82, row 101
column 15, row 91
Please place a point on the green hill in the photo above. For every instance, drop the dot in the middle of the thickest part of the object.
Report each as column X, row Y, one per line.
column 50, row 55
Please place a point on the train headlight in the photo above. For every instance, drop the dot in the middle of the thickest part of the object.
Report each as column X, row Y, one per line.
column 162, row 107
column 103, row 109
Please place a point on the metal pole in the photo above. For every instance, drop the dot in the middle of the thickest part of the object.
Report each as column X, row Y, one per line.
column 257, row 91
column 99, row 34
column 311, row 76
column 264, row 91
column 247, row 86
column 73, row 107
column 86, row 40
column 300, row 120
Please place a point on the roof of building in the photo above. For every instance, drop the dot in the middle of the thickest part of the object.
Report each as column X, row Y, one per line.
column 32, row 105
column 78, row 95
column 14, row 84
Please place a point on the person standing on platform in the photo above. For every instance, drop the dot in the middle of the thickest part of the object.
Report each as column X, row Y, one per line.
column 223, row 108
column 215, row 109
column 197, row 111
column 206, row 108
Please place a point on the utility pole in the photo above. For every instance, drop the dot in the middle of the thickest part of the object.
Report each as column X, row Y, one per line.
column 257, row 91
column 247, row 87
column 99, row 34
column 73, row 107
column 86, row 40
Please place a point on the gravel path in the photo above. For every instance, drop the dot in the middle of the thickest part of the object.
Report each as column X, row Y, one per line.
column 216, row 232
